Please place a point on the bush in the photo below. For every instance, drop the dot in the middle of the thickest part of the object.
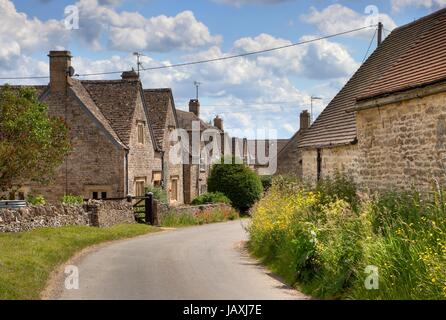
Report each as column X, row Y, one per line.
column 71, row 199
column 36, row 200
column 211, row 197
column 267, row 182
column 236, row 181
column 315, row 239
column 159, row 194
column 175, row 219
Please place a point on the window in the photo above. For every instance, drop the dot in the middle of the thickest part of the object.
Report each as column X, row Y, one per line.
column 141, row 125
column 95, row 195
column 140, row 185
column 156, row 178
column 97, row 192
column 174, row 189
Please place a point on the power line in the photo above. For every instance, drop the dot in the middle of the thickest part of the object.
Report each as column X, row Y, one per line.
column 206, row 60
column 370, row 45
column 257, row 52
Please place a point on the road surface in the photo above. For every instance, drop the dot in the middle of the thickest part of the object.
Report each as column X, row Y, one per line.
column 206, row 262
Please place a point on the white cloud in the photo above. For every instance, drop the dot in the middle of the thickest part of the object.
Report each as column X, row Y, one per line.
column 128, row 31
column 239, row 3
column 398, row 5
column 252, row 92
column 21, row 35
column 337, row 18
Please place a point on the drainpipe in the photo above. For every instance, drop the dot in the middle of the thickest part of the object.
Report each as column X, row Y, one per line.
column 163, row 176
column 126, row 163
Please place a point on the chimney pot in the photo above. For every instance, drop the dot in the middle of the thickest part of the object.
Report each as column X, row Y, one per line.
column 60, row 63
column 305, row 120
column 194, row 107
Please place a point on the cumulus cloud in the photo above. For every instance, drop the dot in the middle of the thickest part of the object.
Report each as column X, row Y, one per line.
column 338, row 18
column 239, row 3
column 397, row 5
column 249, row 92
column 21, row 35
column 132, row 31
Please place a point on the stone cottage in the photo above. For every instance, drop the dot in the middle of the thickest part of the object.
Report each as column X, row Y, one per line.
column 289, row 160
column 401, row 117
column 163, row 116
column 197, row 168
column 115, row 151
column 331, row 143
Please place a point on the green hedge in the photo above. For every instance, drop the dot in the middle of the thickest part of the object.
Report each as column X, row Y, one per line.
column 211, row 197
column 236, row 181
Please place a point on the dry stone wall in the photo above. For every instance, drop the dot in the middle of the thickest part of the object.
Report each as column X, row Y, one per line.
column 94, row 213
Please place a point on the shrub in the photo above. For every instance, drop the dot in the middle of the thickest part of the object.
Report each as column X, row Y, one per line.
column 159, row 194
column 267, row 182
column 175, row 219
column 36, row 200
column 71, row 199
column 238, row 182
column 211, row 197
column 316, row 240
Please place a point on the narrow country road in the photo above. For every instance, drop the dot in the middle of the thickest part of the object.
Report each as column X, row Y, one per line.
column 205, row 262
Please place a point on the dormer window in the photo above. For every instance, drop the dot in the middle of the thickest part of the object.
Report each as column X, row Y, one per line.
column 140, row 131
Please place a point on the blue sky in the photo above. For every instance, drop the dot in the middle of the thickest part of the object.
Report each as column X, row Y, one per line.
column 257, row 92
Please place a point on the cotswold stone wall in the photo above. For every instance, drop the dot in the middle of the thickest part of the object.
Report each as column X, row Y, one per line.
column 95, row 213
column 403, row 144
column 110, row 213
column 341, row 159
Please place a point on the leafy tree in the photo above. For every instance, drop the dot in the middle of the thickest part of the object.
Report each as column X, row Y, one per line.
column 238, row 182
column 32, row 144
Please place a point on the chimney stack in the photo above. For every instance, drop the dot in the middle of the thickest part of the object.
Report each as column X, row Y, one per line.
column 194, row 107
column 130, row 75
column 380, row 33
column 60, row 63
column 218, row 122
column 305, row 120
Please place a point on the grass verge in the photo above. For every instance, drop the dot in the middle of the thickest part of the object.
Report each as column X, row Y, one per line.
column 28, row 258
column 332, row 243
column 175, row 219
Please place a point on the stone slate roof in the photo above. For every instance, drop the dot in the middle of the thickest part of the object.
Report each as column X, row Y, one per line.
column 158, row 105
column 110, row 102
column 185, row 119
column 85, row 98
column 116, row 100
column 335, row 126
column 424, row 63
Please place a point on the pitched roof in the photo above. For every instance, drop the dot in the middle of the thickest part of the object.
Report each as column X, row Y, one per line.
column 85, row 98
column 335, row 126
column 423, row 64
column 158, row 106
column 116, row 99
column 185, row 119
